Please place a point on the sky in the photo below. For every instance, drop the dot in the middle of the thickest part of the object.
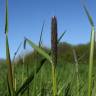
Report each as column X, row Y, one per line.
column 27, row 16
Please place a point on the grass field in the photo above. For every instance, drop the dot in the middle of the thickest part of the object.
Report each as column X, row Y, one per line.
column 66, row 80
column 49, row 72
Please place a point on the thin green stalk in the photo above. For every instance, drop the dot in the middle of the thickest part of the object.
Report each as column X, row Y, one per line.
column 40, row 45
column 23, row 68
column 54, row 52
column 15, row 84
column 36, row 60
column 40, row 41
column 77, row 71
column 6, row 18
column 27, row 77
column 14, row 68
column 35, row 65
column 92, row 42
column 24, row 87
column 91, row 61
column 61, row 36
column 8, row 59
column 54, row 80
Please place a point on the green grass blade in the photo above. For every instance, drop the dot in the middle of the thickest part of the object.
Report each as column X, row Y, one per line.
column 61, row 89
column 8, row 86
column 40, row 41
column 89, row 17
column 77, row 70
column 13, row 67
column 92, row 41
column 39, row 50
column 17, row 51
column 6, row 18
column 24, row 87
column 61, row 36
column 40, row 45
column 8, row 61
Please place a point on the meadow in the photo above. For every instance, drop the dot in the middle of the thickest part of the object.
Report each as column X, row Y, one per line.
column 62, row 70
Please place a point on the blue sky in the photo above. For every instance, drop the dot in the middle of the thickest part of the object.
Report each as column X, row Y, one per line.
column 26, row 18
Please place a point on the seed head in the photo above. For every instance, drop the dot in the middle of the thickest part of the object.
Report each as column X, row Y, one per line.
column 54, row 39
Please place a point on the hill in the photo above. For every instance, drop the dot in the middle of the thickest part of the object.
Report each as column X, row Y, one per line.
column 65, row 53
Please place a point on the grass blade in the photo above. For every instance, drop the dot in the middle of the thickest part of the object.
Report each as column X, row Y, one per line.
column 6, row 18
column 8, row 61
column 91, row 62
column 40, row 41
column 39, row 50
column 17, row 51
column 13, row 67
column 88, row 15
column 8, row 86
column 61, row 36
column 25, row 85
column 77, row 70
column 92, row 41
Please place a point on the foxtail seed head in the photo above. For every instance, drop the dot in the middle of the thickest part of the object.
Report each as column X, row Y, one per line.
column 54, row 39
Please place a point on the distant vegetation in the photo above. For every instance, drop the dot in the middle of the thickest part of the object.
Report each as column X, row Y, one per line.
column 65, row 53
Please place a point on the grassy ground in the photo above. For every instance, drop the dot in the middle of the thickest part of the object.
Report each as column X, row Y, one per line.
column 42, row 83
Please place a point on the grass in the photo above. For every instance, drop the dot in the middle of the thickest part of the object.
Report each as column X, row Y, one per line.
column 54, row 50
column 77, row 70
column 66, row 76
column 48, row 76
column 92, row 43
column 8, row 60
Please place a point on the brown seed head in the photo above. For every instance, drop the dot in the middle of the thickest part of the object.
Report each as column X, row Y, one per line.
column 54, row 39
